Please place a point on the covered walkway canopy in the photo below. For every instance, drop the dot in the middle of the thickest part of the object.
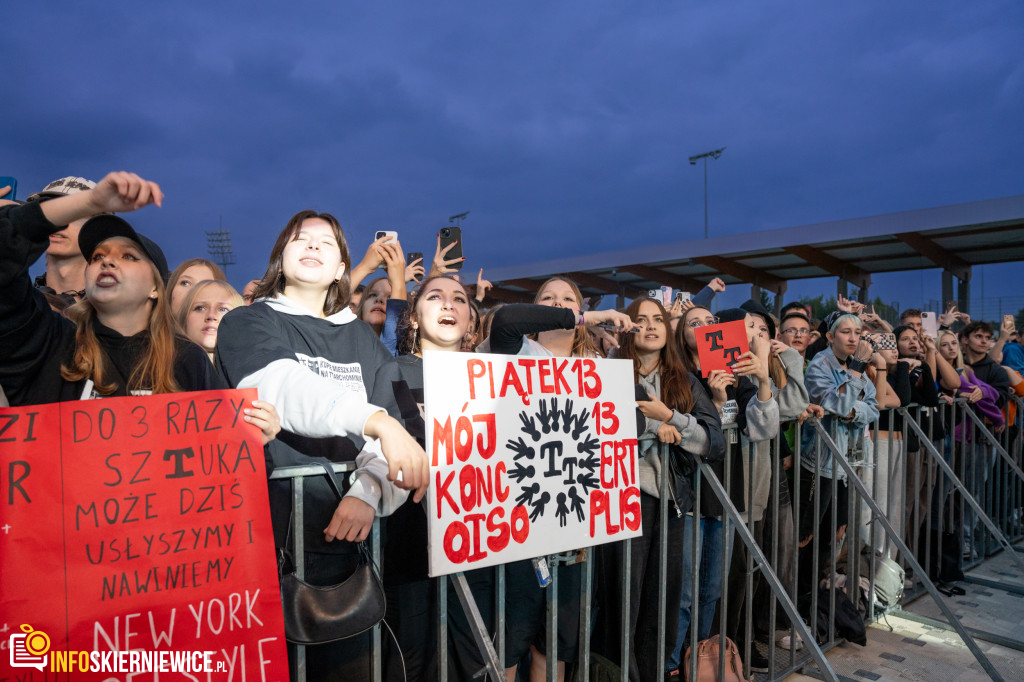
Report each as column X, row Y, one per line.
column 952, row 238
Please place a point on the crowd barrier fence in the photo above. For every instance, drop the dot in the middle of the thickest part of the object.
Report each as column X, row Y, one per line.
column 899, row 505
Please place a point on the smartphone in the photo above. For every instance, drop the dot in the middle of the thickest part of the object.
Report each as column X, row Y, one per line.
column 1009, row 321
column 950, row 305
column 683, row 296
column 7, row 180
column 412, row 256
column 666, row 296
column 929, row 323
column 452, row 234
column 612, row 328
column 653, row 293
column 385, row 233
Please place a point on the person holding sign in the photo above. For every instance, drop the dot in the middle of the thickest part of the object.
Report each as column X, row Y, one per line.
column 120, row 340
column 560, row 331
column 743, row 397
column 306, row 352
column 680, row 413
column 437, row 321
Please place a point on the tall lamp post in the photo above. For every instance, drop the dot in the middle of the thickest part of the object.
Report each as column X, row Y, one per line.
column 714, row 154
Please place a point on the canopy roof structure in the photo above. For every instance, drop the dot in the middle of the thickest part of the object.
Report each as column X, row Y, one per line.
column 953, row 238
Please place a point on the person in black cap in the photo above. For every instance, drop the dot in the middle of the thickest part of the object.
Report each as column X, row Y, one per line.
column 65, row 269
column 120, row 339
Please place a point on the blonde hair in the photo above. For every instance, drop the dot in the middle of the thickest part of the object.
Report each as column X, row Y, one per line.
column 193, row 294
column 582, row 345
column 958, row 361
column 156, row 370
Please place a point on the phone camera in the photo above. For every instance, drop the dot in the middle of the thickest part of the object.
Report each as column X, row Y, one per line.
column 445, row 232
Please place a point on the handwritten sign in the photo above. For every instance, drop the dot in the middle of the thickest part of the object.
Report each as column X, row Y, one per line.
column 719, row 346
column 141, row 524
column 529, row 456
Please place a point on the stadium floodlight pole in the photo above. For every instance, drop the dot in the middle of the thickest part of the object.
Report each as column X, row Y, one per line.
column 714, row 154
column 218, row 244
column 458, row 218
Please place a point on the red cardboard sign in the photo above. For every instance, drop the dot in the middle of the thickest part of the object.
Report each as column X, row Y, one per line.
column 138, row 525
column 719, row 346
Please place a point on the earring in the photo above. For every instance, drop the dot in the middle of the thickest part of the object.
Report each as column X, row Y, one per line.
column 415, row 336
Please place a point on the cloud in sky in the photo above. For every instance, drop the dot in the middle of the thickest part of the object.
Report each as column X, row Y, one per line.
column 564, row 127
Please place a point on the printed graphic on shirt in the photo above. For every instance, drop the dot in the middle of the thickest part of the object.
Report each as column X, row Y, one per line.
column 730, row 411
column 349, row 375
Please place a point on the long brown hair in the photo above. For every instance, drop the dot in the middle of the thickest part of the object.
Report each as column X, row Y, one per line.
column 409, row 340
column 155, row 372
column 365, row 300
column 582, row 344
column 675, row 379
column 689, row 355
column 338, row 292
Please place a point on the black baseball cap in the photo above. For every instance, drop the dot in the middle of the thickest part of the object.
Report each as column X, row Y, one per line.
column 102, row 227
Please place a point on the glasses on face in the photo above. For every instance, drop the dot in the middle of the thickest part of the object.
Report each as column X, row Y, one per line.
column 703, row 323
column 797, row 332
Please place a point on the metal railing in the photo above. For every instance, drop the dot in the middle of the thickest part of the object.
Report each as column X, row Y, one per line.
column 941, row 494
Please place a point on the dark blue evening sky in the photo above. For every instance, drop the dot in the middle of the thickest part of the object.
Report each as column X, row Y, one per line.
column 564, row 127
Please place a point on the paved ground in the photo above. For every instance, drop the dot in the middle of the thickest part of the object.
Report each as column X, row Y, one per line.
column 917, row 651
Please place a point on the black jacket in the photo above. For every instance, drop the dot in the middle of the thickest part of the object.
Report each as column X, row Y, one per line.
column 35, row 341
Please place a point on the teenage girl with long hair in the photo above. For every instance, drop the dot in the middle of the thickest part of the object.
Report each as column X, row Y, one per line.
column 679, row 413
column 332, row 381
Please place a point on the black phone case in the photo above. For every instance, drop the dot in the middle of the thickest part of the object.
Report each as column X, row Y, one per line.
column 449, row 235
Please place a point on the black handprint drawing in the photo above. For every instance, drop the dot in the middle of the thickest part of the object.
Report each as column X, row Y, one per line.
column 520, row 448
column 526, row 497
column 590, row 463
column 567, row 416
column 577, row 503
column 587, row 481
column 521, row 473
column 529, row 426
column 538, row 506
column 588, row 446
column 561, row 511
column 544, row 416
column 581, row 424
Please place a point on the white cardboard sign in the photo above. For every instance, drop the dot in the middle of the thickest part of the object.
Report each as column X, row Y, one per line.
column 529, row 456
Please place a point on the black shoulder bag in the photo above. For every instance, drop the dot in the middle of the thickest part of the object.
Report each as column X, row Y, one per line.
column 316, row 614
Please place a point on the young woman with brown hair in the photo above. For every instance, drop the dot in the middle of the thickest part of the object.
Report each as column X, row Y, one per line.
column 332, row 381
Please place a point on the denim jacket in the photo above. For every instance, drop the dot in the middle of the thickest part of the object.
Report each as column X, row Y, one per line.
column 824, row 377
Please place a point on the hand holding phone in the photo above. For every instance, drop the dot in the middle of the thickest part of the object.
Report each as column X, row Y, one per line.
column 450, row 246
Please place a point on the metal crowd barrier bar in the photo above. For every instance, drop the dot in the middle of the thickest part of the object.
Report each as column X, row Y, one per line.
column 755, row 555
column 837, row 458
column 296, row 475
column 985, row 518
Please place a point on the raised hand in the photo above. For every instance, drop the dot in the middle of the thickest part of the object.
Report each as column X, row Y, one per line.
column 482, row 286
column 440, row 266
column 529, row 425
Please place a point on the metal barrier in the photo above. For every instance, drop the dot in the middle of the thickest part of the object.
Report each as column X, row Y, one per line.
column 768, row 571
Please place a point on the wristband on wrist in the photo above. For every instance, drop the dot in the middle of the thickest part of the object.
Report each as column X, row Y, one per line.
column 580, row 322
column 856, row 365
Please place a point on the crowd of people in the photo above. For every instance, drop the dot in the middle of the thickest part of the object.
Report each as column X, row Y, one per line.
column 339, row 373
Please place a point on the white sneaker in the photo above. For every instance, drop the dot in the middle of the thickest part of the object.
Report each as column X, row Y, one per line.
column 783, row 640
